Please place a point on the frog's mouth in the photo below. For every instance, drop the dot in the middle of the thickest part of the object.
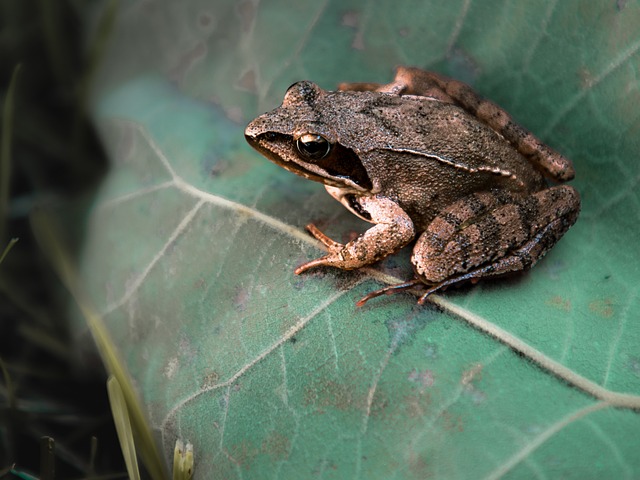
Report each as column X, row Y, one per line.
column 342, row 168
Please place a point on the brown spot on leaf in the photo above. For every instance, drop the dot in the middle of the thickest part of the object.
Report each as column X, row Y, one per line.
column 277, row 446
column 333, row 394
column 560, row 303
column 247, row 81
column 205, row 20
column 241, row 298
column 235, row 114
column 210, row 379
column 424, row 378
column 417, row 405
column 351, row 19
column 247, row 10
column 418, row 465
column 242, row 454
column 379, row 404
column 358, row 41
column 452, row 422
column 602, row 307
column 218, row 168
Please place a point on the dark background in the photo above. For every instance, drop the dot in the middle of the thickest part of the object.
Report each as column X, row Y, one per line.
column 53, row 158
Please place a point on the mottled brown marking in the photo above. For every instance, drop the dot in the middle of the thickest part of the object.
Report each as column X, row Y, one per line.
column 529, row 145
column 464, row 95
column 441, row 227
column 494, row 116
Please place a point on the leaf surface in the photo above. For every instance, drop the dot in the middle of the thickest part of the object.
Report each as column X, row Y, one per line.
column 194, row 238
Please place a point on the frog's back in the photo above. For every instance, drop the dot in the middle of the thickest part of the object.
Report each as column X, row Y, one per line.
column 431, row 129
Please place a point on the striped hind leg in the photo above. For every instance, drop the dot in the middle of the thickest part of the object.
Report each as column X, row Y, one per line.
column 492, row 233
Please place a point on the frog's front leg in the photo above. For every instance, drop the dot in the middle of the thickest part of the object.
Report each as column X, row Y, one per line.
column 393, row 230
column 493, row 233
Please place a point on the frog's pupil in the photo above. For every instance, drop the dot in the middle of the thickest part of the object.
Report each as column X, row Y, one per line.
column 313, row 147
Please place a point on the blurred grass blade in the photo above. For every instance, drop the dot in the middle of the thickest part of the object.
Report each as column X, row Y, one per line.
column 93, row 453
column 5, row 147
column 10, row 392
column 47, row 458
column 52, row 22
column 9, row 246
column 12, row 424
column 123, row 427
column 51, row 243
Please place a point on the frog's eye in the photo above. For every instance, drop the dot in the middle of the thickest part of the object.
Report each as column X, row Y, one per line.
column 313, row 146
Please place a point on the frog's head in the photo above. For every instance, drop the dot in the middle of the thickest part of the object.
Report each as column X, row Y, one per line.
column 300, row 137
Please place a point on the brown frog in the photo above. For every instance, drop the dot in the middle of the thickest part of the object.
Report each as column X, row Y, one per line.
column 426, row 157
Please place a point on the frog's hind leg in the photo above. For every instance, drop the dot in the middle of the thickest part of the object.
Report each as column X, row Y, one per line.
column 550, row 162
column 423, row 86
column 520, row 260
column 492, row 233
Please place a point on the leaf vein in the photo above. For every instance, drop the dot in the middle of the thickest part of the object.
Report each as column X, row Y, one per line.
column 528, row 449
column 292, row 331
column 137, row 281
column 582, row 92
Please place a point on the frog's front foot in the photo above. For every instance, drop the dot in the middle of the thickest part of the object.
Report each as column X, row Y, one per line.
column 333, row 258
column 326, row 241
column 370, row 247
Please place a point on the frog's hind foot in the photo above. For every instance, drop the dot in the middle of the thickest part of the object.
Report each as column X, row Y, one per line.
column 416, row 283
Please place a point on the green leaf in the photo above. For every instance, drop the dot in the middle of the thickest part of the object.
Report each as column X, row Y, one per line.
column 194, row 237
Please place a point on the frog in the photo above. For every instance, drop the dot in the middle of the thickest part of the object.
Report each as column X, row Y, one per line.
column 423, row 158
